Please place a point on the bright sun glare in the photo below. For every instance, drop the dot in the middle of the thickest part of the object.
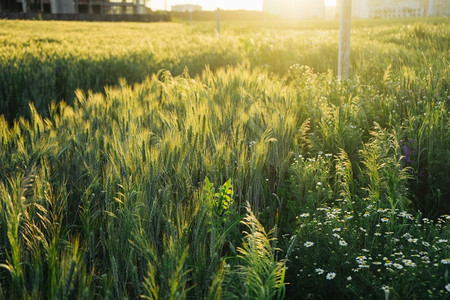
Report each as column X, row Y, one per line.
column 214, row 4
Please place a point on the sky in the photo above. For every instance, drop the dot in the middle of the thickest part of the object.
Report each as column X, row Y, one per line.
column 223, row 4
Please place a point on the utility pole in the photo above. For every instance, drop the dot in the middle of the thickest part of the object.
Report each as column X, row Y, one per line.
column 344, row 38
column 24, row 6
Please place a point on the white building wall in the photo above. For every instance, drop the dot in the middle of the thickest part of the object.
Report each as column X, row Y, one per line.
column 186, row 7
column 360, row 8
column 389, row 8
column 438, row 8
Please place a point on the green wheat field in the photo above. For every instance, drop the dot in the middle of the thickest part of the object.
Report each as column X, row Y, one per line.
column 165, row 161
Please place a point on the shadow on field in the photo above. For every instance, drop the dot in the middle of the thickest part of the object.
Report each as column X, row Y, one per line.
column 41, row 80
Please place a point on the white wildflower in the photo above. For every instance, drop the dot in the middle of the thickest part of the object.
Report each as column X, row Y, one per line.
column 308, row 244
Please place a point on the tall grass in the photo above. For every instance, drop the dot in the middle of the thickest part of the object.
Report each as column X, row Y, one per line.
column 167, row 188
column 41, row 62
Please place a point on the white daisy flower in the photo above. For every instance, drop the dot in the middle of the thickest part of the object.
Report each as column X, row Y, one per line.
column 409, row 263
column 343, row 243
column 308, row 244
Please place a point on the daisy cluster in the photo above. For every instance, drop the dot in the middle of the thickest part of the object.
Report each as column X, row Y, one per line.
column 400, row 251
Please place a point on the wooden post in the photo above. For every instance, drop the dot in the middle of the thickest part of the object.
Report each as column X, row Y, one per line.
column 344, row 38
column 218, row 21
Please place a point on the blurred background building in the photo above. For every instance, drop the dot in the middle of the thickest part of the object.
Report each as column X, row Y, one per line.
column 363, row 9
column 438, row 7
column 369, row 9
column 289, row 9
column 186, row 8
column 75, row 6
